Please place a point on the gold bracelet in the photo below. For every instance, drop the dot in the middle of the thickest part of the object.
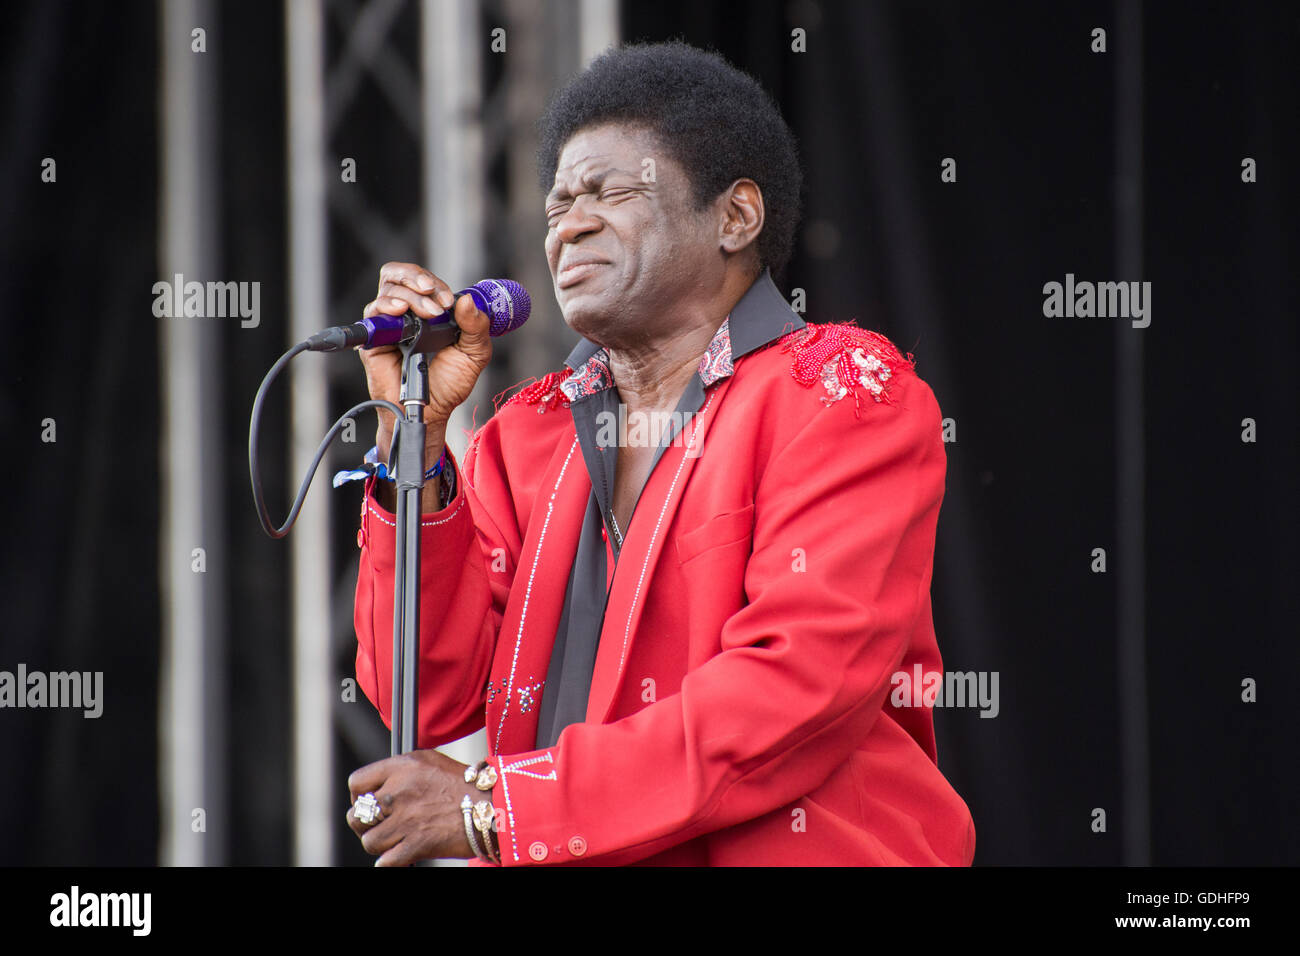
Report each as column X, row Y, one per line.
column 484, row 818
column 484, row 777
column 467, row 808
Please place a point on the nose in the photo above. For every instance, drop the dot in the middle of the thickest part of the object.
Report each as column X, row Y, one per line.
column 576, row 221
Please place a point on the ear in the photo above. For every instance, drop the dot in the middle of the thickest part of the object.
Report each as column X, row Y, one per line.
column 741, row 216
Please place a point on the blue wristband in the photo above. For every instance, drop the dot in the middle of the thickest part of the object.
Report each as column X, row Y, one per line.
column 373, row 466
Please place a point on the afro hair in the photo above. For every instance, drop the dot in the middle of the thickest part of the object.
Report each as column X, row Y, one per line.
column 718, row 123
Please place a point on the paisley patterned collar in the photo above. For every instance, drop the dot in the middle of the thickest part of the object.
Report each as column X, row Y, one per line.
column 761, row 316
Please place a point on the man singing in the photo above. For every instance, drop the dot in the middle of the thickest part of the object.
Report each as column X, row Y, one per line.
column 674, row 578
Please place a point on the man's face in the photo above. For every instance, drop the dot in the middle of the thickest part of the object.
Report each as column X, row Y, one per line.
column 625, row 242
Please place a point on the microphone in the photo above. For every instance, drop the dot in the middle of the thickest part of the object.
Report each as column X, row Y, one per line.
column 505, row 302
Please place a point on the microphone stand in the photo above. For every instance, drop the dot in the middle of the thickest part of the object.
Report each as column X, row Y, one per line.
column 407, row 459
column 408, row 451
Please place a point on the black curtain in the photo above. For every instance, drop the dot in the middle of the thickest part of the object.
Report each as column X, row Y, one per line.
column 954, row 272
column 80, row 561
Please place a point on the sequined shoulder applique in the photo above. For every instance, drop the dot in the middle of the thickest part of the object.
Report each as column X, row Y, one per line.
column 543, row 392
column 845, row 360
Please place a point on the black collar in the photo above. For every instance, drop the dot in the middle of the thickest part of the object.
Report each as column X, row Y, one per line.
column 761, row 316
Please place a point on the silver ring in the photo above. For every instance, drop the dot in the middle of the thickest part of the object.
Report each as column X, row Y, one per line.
column 367, row 809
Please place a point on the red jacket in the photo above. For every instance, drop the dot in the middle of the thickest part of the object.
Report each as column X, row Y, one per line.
column 774, row 578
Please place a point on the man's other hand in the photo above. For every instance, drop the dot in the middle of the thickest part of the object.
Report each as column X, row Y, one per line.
column 419, row 796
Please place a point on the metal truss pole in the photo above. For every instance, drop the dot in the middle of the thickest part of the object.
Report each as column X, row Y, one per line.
column 451, row 50
column 194, row 829
column 313, row 686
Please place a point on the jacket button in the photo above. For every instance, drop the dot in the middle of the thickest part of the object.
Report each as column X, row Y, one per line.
column 577, row 846
column 538, row 851
column 361, row 538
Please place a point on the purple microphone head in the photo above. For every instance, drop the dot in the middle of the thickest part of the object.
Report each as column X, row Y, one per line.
column 504, row 301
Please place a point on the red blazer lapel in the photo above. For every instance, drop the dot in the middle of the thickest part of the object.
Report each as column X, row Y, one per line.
column 527, row 634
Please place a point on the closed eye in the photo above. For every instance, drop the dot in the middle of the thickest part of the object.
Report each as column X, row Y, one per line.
column 555, row 212
column 613, row 194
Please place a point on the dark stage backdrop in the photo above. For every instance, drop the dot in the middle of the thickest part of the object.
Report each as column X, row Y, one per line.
column 1039, row 128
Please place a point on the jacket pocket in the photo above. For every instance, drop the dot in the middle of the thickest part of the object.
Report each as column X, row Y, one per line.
column 719, row 531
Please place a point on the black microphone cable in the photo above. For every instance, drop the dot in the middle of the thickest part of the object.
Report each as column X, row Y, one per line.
column 263, row 514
